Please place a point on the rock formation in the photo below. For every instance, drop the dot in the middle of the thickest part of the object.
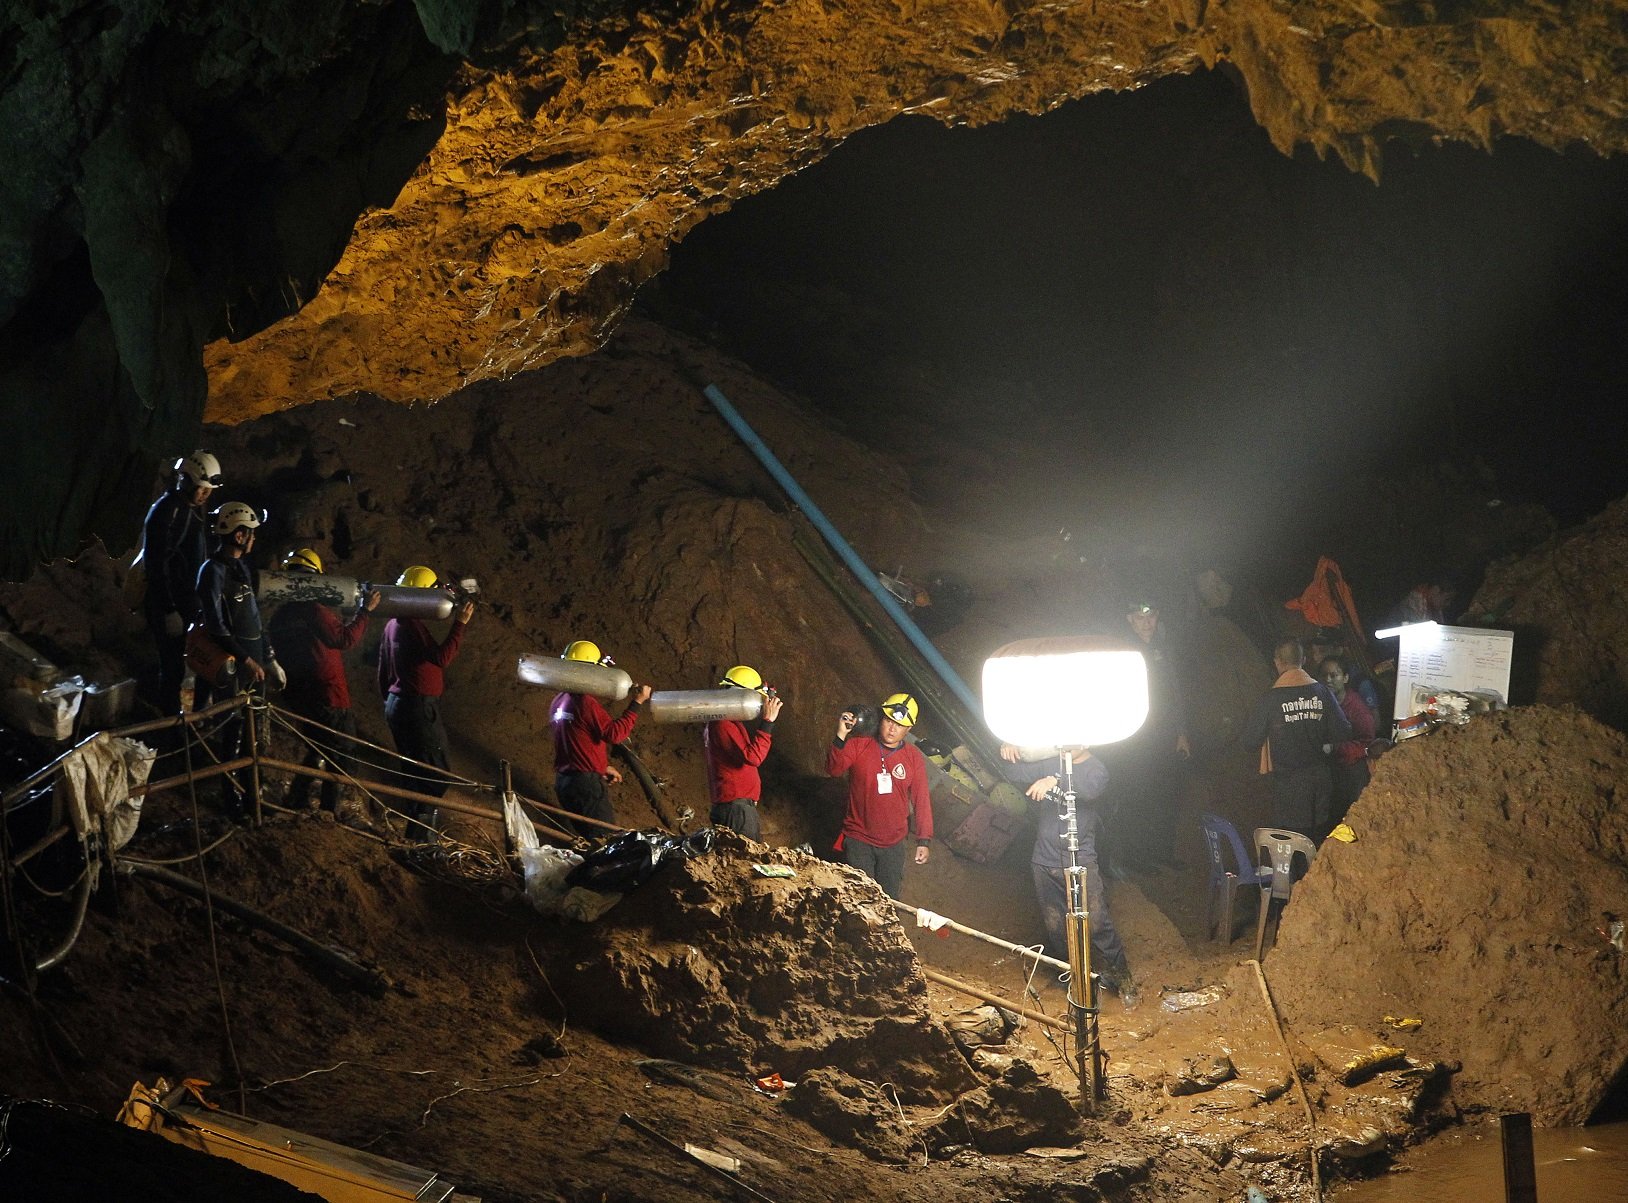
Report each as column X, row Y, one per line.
column 189, row 177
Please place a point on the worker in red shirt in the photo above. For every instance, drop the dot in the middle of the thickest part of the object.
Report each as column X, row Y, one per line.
column 311, row 639
column 583, row 734
column 412, row 678
column 887, row 793
column 734, row 752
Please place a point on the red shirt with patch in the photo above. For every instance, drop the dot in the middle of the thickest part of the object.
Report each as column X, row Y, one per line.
column 875, row 817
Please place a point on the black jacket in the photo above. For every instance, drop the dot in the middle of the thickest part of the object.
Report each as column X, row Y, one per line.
column 231, row 611
column 173, row 549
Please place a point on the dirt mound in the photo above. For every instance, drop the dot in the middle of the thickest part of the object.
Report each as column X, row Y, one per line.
column 714, row 963
column 1490, row 860
column 484, row 1059
column 1564, row 601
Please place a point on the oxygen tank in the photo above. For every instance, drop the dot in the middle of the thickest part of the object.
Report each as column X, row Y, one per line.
column 575, row 676
column 705, row 705
column 278, row 587
column 401, row 601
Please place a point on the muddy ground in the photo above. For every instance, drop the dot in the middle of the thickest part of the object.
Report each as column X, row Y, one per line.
column 508, row 1044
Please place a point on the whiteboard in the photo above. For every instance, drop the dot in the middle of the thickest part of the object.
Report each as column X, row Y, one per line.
column 1469, row 660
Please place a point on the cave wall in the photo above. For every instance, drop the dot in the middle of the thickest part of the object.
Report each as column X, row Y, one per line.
column 402, row 198
column 173, row 174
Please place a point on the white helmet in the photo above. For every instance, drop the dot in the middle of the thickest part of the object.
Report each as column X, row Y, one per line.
column 235, row 516
column 200, row 468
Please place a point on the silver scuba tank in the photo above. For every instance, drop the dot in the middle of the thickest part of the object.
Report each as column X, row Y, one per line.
column 401, row 601
column 604, row 681
column 338, row 591
column 705, row 705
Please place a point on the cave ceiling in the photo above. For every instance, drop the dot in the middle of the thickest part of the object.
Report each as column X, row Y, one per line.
column 215, row 210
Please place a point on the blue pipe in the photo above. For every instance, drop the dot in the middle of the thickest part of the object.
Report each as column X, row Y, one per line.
column 840, row 545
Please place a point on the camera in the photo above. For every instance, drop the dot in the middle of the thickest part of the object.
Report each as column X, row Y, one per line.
column 463, row 589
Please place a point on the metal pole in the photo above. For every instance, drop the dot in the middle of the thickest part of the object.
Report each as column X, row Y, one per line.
column 944, row 979
column 1082, row 988
column 1520, row 1170
column 841, row 546
column 1021, row 949
column 251, row 716
column 467, row 808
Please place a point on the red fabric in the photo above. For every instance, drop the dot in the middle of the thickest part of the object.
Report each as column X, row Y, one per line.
column 878, row 819
column 318, row 638
column 1327, row 600
column 733, row 755
column 411, row 662
column 1363, row 728
column 583, row 732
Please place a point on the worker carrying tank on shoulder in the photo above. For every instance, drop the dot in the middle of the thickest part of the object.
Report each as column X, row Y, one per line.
column 887, row 793
column 734, row 753
column 313, row 638
column 412, row 680
column 583, row 732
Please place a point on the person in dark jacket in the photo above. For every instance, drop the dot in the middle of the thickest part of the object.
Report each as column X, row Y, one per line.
column 1149, row 774
column 311, row 639
column 734, row 752
column 888, row 795
column 583, row 732
column 1296, row 724
column 1050, row 858
column 174, row 545
column 229, row 615
column 412, row 679
column 229, row 606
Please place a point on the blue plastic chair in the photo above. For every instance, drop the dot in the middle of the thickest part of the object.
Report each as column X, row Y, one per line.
column 1223, row 891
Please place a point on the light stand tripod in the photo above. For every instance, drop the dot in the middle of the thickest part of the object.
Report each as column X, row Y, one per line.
column 1082, row 988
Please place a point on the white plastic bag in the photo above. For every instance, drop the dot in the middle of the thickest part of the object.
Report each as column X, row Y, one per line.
column 544, row 867
column 97, row 778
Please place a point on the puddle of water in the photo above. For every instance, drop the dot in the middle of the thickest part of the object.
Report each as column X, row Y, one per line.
column 1574, row 1165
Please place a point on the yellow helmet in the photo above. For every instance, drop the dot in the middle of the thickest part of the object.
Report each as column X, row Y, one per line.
column 303, row 560
column 585, row 650
column 418, row 577
column 902, row 709
column 745, row 677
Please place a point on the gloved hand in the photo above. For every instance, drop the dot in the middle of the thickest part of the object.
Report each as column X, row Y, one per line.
column 275, row 676
column 174, row 625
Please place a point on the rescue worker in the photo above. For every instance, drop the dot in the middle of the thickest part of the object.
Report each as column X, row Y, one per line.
column 227, row 589
column 1049, row 859
column 312, row 639
column 887, row 793
column 1148, row 767
column 412, row 680
column 583, row 732
column 734, row 753
column 1350, row 766
column 1295, row 724
column 174, row 545
column 229, row 606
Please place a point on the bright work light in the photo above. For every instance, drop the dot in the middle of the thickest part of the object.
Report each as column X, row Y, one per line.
column 1065, row 691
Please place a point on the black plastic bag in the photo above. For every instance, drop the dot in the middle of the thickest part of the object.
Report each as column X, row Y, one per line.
column 632, row 858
